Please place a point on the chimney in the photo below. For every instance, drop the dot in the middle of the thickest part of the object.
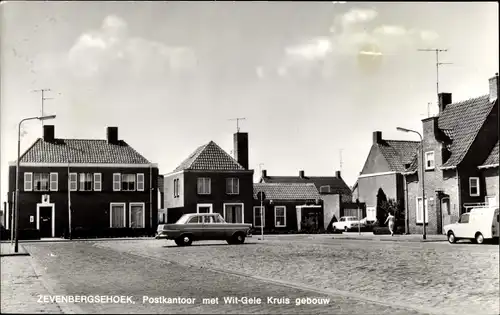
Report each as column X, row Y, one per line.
column 337, row 174
column 377, row 137
column 264, row 173
column 241, row 148
column 494, row 88
column 112, row 133
column 48, row 133
column 444, row 100
column 301, row 174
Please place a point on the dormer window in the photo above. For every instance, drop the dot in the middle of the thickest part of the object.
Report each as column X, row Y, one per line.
column 325, row 189
column 429, row 160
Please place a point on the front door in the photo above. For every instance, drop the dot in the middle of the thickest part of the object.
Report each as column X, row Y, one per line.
column 46, row 221
column 204, row 209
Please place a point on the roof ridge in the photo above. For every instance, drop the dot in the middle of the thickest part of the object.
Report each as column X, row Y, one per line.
column 224, row 151
column 29, row 149
column 461, row 102
column 410, row 141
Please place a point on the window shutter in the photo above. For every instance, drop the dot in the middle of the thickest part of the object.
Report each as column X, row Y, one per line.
column 73, row 181
column 140, row 182
column 54, row 181
column 28, row 181
column 208, row 188
column 236, row 183
column 116, row 181
column 97, row 181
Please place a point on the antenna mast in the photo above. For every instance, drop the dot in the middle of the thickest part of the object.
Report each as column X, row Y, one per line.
column 341, row 163
column 42, row 91
column 437, row 51
column 238, row 122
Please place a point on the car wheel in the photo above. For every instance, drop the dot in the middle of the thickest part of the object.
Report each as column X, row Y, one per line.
column 479, row 238
column 451, row 238
column 184, row 240
column 238, row 238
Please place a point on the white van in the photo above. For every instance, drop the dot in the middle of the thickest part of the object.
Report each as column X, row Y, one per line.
column 478, row 225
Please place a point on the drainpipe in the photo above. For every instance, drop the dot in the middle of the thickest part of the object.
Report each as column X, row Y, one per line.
column 69, row 203
column 151, row 197
column 407, row 220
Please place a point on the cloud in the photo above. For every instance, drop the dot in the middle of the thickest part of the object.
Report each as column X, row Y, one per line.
column 355, row 33
column 110, row 48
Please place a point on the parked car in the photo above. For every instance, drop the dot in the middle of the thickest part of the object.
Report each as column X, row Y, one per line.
column 478, row 225
column 347, row 223
column 202, row 227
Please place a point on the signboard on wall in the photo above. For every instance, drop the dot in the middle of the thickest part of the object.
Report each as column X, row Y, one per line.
column 32, row 219
column 45, row 199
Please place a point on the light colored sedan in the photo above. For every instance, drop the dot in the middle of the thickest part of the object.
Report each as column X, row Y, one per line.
column 346, row 223
column 203, row 227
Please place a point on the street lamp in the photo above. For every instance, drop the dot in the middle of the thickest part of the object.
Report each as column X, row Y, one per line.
column 424, row 236
column 16, row 206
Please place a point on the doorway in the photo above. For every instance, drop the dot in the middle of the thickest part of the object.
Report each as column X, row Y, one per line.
column 204, row 208
column 45, row 220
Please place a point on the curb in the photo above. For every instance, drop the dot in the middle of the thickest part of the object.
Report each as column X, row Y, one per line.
column 58, row 240
column 22, row 252
column 388, row 240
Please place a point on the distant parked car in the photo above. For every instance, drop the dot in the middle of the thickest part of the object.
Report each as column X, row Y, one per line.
column 478, row 225
column 202, row 227
column 347, row 223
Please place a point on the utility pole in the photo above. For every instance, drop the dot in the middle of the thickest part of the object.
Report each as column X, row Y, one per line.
column 238, row 122
column 429, row 109
column 437, row 51
column 42, row 91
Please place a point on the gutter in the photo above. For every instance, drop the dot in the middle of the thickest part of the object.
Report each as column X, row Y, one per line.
column 488, row 166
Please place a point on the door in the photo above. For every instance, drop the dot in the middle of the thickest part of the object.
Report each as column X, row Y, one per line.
column 45, row 221
column 233, row 213
column 205, row 208
column 195, row 224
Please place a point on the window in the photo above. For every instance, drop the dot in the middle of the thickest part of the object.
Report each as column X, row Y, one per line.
column 429, row 160
column 474, row 186
column 233, row 213
column 464, row 218
column 117, row 179
column 28, row 181
column 137, row 215
column 280, row 216
column 211, row 219
column 342, row 220
column 41, row 181
column 117, row 215
column 324, row 189
column 97, row 181
column 53, row 181
column 195, row 220
column 232, row 186
column 128, row 182
column 176, row 188
column 73, row 181
column 420, row 210
column 140, row 182
column 257, row 216
column 204, row 186
column 86, row 180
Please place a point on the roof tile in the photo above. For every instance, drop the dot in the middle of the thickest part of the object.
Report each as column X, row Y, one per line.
column 287, row 191
column 337, row 185
column 492, row 159
column 399, row 153
column 82, row 151
column 209, row 157
column 461, row 122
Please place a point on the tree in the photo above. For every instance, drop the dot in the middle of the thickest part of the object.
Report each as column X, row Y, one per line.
column 381, row 213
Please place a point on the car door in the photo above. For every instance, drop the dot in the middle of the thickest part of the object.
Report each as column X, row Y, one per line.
column 462, row 226
column 211, row 227
column 195, row 225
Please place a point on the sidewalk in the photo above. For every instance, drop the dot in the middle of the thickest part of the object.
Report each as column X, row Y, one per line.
column 396, row 238
column 6, row 249
column 57, row 239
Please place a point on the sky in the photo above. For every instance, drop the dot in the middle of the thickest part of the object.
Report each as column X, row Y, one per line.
column 312, row 79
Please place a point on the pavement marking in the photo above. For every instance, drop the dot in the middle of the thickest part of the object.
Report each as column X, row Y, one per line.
column 299, row 286
column 69, row 308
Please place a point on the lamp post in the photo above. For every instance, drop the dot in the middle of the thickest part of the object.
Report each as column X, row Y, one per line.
column 16, row 204
column 424, row 236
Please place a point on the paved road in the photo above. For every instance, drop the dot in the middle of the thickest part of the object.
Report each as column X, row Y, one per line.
column 436, row 277
column 85, row 268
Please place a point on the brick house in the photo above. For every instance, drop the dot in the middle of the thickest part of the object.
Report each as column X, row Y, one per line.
column 489, row 170
column 384, row 169
column 107, row 185
column 287, row 206
column 457, row 145
column 333, row 191
column 210, row 180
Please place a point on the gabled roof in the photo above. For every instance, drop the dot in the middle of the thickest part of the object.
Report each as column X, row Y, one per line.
column 337, row 185
column 209, row 157
column 287, row 191
column 461, row 122
column 492, row 159
column 87, row 151
column 399, row 153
